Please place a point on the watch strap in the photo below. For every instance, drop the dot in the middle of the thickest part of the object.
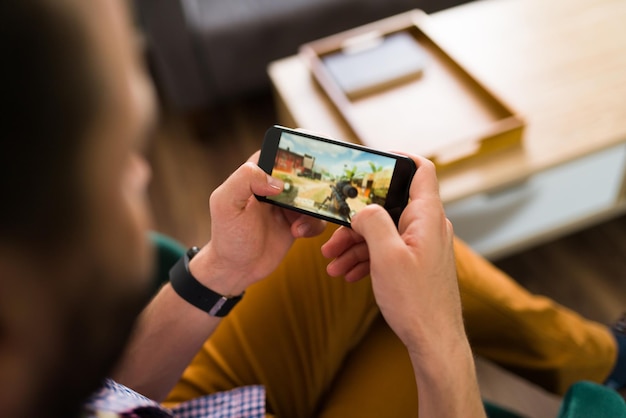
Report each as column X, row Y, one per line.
column 194, row 292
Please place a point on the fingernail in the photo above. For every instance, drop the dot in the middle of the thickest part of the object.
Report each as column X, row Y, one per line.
column 275, row 183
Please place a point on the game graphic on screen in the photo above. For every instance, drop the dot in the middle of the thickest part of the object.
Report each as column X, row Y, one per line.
column 329, row 179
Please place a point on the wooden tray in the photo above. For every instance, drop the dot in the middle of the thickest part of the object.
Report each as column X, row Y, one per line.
column 446, row 114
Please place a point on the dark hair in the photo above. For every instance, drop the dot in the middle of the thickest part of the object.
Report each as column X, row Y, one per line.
column 47, row 103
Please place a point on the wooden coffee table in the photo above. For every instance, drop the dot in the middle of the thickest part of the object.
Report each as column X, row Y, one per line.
column 562, row 65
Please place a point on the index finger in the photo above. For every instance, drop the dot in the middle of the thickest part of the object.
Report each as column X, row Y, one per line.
column 341, row 240
column 425, row 183
column 248, row 180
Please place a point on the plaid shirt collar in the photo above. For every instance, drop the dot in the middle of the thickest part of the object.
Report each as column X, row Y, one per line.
column 117, row 401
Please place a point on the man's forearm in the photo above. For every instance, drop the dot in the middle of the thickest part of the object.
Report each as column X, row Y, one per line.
column 447, row 384
column 168, row 335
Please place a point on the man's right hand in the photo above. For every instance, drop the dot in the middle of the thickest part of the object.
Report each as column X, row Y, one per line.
column 414, row 280
column 412, row 266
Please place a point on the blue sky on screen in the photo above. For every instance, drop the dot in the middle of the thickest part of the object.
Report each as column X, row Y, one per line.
column 334, row 158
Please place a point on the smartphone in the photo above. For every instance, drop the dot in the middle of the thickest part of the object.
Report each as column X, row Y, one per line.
column 332, row 179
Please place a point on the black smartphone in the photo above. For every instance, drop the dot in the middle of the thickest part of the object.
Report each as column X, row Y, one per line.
column 332, row 179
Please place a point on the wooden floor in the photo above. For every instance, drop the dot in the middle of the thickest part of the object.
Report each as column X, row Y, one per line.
column 585, row 271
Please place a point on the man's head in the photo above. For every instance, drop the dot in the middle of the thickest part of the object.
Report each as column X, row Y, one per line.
column 75, row 109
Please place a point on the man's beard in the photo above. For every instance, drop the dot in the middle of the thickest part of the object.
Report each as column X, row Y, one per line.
column 97, row 329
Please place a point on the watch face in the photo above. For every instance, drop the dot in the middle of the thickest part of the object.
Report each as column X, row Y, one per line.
column 191, row 253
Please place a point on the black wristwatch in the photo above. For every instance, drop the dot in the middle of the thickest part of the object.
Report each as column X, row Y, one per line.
column 195, row 292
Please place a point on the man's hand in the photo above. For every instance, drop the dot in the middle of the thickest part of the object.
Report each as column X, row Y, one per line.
column 412, row 267
column 415, row 285
column 249, row 238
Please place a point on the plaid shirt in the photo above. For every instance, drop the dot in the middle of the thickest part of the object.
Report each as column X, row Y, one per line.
column 115, row 400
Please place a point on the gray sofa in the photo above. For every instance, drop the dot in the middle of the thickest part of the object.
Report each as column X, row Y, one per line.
column 205, row 51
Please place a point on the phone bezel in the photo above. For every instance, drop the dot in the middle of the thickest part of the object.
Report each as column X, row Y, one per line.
column 397, row 197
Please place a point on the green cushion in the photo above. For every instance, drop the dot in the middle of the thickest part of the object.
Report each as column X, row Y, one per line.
column 591, row 400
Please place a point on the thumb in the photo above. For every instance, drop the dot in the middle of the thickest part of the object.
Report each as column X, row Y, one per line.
column 247, row 180
column 375, row 225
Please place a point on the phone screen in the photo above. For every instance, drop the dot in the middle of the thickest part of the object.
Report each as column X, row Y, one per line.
column 331, row 179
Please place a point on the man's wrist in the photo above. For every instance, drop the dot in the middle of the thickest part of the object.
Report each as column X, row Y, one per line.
column 196, row 293
column 447, row 382
column 208, row 272
column 445, row 359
